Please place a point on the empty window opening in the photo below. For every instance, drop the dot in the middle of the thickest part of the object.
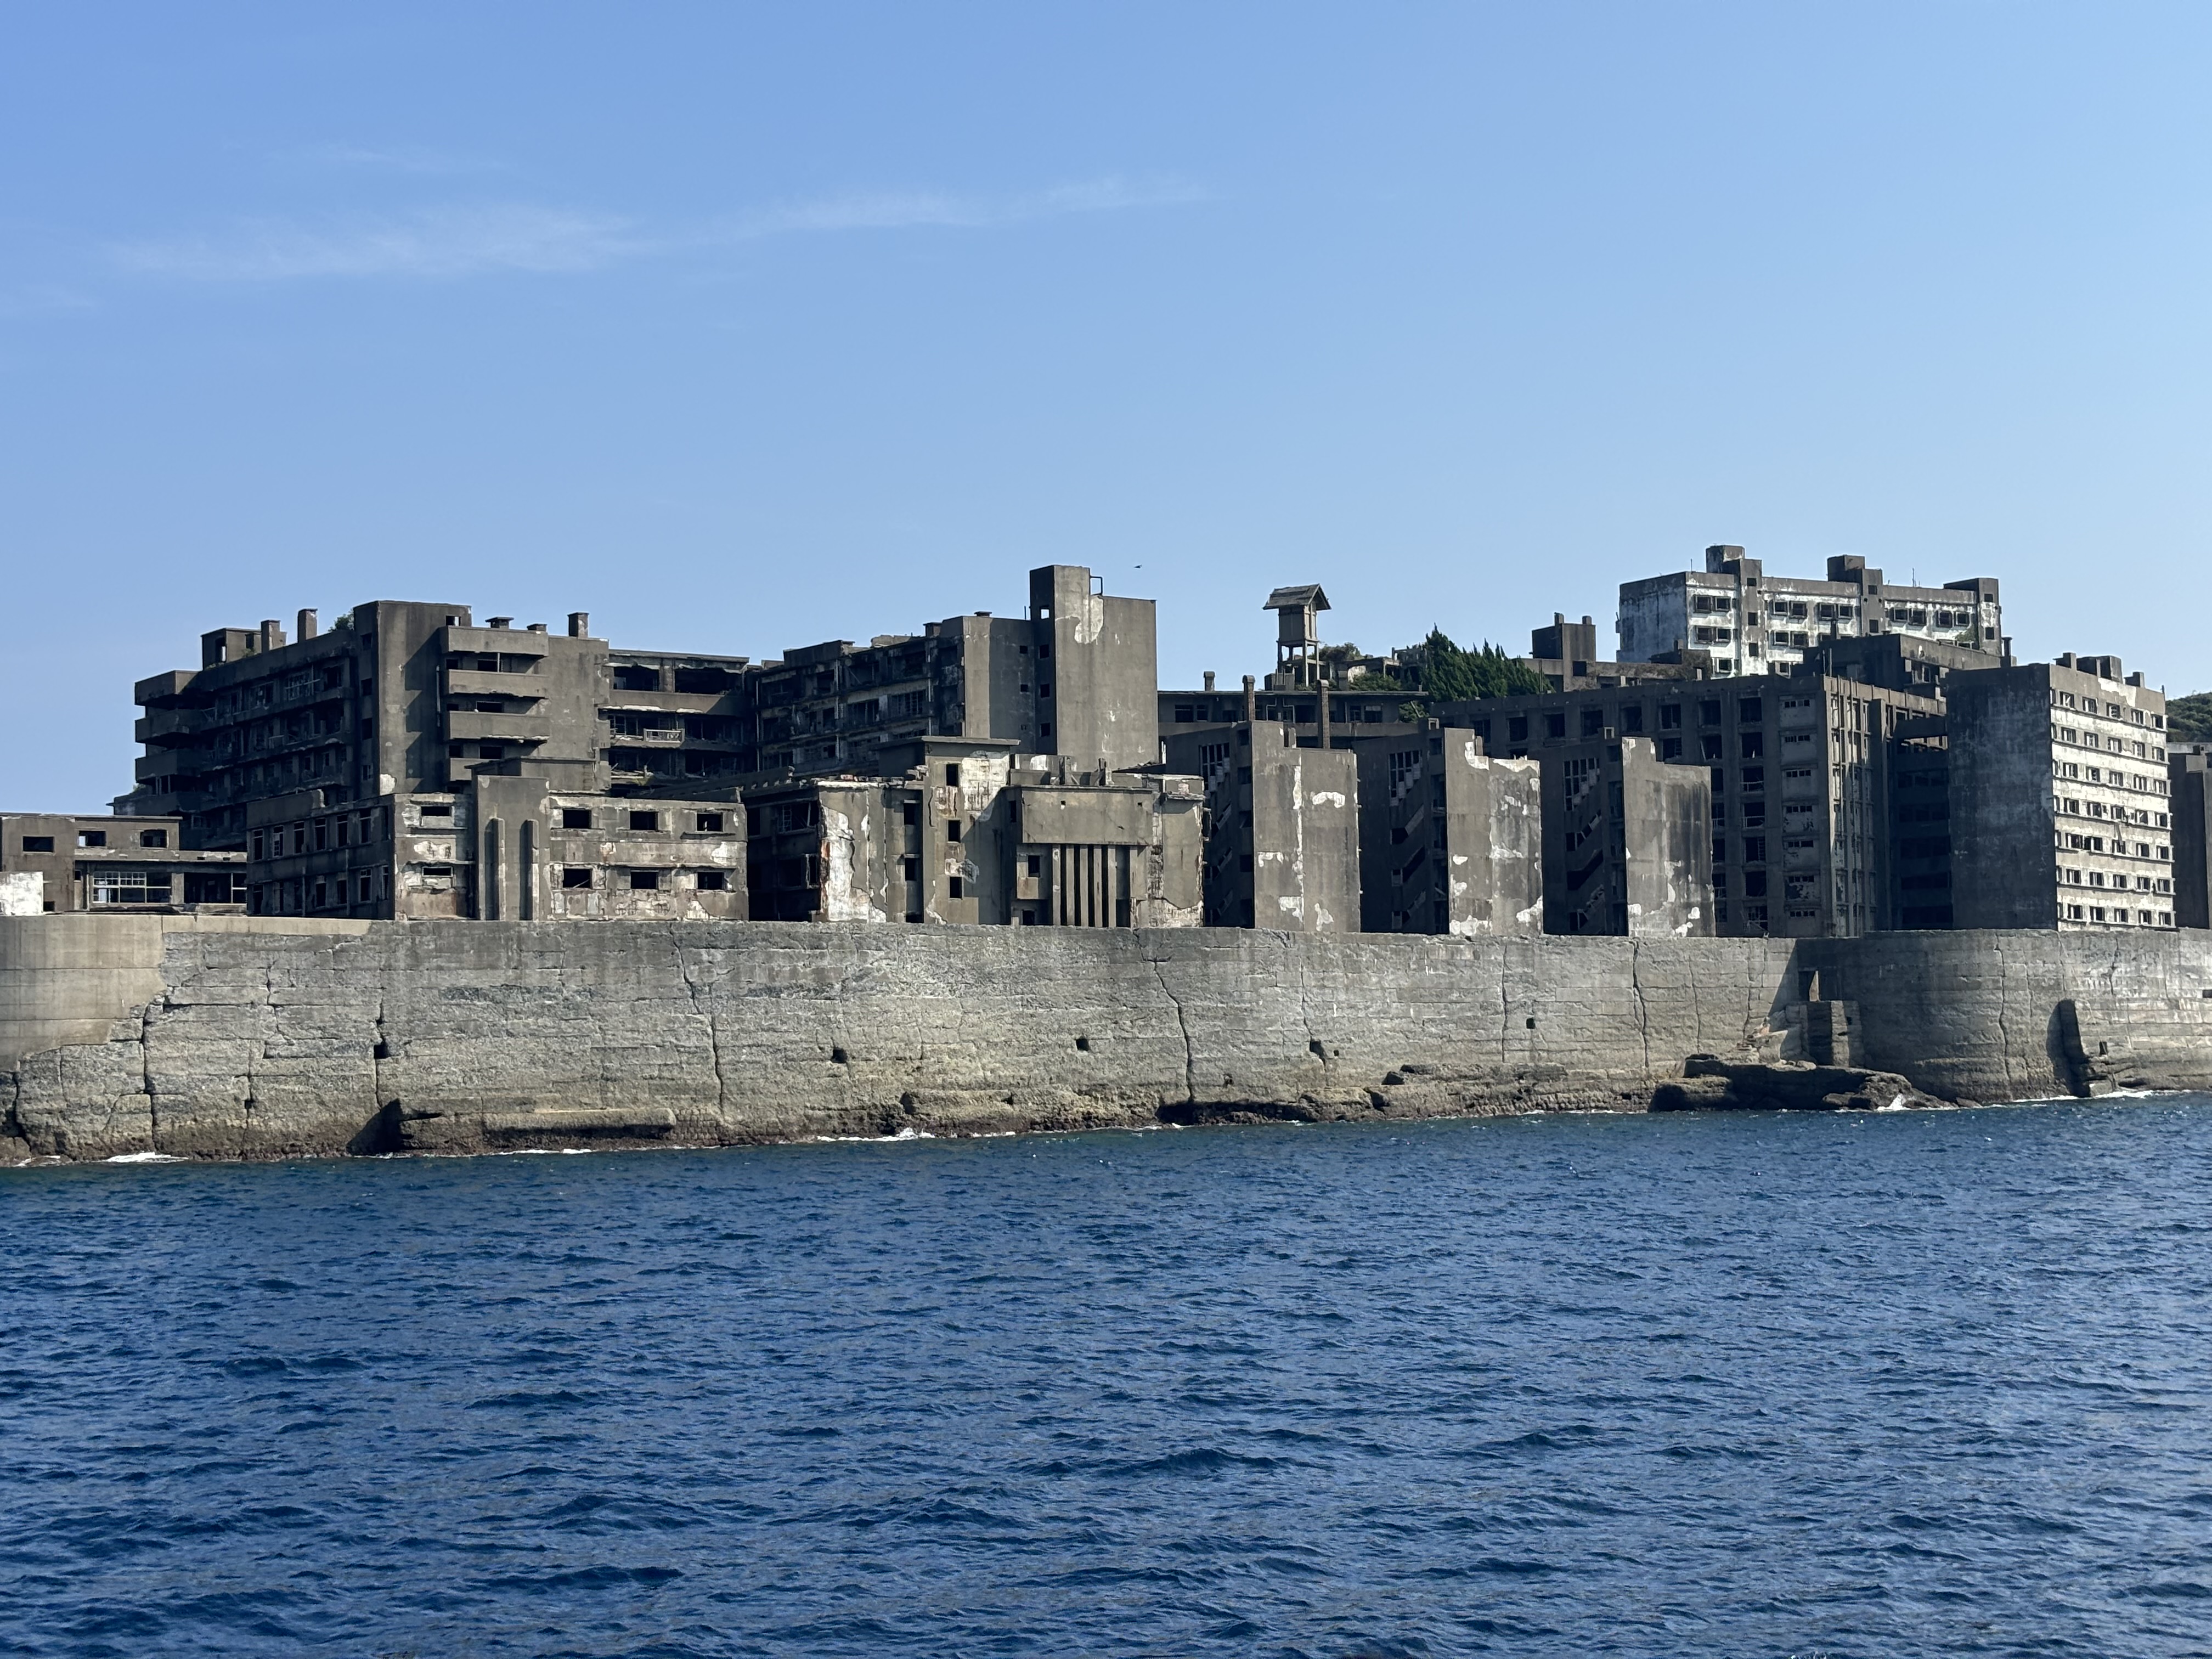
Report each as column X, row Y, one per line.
column 645, row 820
column 575, row 817
column 645, row 881
column 714, row 881
column 576, row 876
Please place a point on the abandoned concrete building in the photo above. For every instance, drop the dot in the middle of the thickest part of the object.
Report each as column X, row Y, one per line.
column 971, row 831
column 1078, row 676
column 1864, row 750
column 2188, row 777
column 1754, row 623
column 1450, row 841
column 393, row 721
column 1626, row 842
column 1281, row 828
column 1798, row 775
column 1566, row 653
column 1342, row 714
column 2060, row 795
column 347, row 765
column 51, row 862
column 503, row 847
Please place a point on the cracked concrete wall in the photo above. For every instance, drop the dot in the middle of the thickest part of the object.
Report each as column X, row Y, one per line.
column 245, row 1041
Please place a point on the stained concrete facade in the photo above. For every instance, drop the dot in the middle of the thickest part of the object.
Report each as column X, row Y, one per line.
column 2061, row 813
column 240, row 1037
column 971, row 832
column 1077, row 676
column 402, row 707
column 1450, row 841
column 1282, row 828
column 1754, row 623
column 1566, row 653
column 502, row 848
column 57, row 862
column 1798, row 769
column 2189, row 776
column 1627, row 841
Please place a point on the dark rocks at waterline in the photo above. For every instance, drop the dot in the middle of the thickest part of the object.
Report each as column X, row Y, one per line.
column 1711, row 1084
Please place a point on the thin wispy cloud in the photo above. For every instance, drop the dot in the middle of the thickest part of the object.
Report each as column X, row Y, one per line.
column 41, row 300
column 450, row 242
column 894, row 211
column 402, row 158
column 438, row 242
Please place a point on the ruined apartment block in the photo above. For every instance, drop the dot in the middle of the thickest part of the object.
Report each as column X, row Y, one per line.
column 971, row 832
column 1626, row 842
column 2060, row 798
column 1077, row 676
column 1566, row 653
column 1281, row 833
column 1750, row 622
column 1799, row 777
column 2188, row 777
column 53, row 862
column 503, row 848
column 1450, row 841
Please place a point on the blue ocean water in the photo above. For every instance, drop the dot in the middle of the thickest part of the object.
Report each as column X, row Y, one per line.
column 1695, row 1385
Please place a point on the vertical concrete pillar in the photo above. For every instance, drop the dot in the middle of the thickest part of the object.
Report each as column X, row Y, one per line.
column 488, row 873
column 526, row 859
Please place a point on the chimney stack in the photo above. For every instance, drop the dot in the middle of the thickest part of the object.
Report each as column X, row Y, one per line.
column 1209, row 679
column 579, row 624
column 307, row 629
column 272, row 633
column 537, row 628
column 499, row 622
column 1251, row 701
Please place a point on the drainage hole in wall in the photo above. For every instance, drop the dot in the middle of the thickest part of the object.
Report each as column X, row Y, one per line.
column 1532, row 1024
column 1319, row 1051
column 838, row 1057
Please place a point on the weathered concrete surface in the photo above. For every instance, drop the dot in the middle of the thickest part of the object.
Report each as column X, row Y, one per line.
column 241, row 1041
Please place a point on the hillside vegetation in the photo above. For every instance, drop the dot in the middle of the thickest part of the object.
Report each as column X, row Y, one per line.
column 2189, row 719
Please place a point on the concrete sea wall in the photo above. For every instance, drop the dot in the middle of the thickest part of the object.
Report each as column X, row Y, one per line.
column 257, row 1039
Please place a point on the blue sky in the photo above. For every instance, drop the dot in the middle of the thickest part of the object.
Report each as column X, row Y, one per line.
column 745, row 327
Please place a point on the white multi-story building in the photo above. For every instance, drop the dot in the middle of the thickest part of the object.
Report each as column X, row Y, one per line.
column 2060, row 798
column 1750, row 622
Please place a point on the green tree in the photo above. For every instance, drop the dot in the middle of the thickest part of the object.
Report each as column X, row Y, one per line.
column 2189, row 719
column 1449, row 674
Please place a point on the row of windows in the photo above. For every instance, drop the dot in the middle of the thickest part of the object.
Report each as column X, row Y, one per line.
column 2072, row 877
column 2067, row 841
column 644, row 881
column 2088, row 705
column 94, row 838
column 646, row 819
column 2117, row 915
column 2069, row 807
column 356, row 829
column 2110, row 778
column 2116, row 745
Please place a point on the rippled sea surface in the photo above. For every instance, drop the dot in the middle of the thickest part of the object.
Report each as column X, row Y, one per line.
column 1903, row 1384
